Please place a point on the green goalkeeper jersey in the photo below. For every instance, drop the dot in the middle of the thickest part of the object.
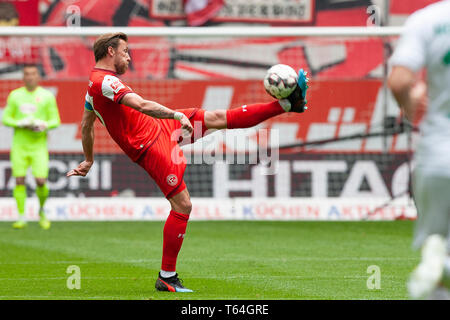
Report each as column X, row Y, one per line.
column 39, row 105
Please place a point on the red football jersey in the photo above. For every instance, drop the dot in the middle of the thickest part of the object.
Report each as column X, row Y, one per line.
column 132, row 130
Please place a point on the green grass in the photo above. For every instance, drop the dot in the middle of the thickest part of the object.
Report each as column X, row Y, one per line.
column 219, row 260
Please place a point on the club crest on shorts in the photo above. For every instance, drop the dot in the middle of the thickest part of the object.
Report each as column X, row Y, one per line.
column 172, row 180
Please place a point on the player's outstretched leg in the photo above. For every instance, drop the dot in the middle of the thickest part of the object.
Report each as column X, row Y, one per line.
column 250, row 115
column 173, row 235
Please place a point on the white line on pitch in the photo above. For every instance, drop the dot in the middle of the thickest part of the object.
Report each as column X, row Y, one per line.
column 242, row 259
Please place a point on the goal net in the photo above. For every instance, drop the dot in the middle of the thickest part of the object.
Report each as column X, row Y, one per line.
column 350, row 143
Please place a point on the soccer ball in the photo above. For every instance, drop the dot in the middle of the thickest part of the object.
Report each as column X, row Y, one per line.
column 280, row 81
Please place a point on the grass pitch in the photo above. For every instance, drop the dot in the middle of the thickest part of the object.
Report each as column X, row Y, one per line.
column 219, row 260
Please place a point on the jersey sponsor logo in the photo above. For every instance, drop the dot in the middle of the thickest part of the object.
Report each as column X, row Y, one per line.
column 27, row 108
column 172, row 180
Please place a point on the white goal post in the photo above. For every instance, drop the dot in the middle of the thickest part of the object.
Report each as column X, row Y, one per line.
column 206, row 31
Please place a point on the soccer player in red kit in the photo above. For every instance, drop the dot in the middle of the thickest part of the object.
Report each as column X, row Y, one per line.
column 144, row 131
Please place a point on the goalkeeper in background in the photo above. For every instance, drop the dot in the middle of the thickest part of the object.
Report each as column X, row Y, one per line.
column 31, row 110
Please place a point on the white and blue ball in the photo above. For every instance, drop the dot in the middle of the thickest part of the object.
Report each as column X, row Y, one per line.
column 280, row 81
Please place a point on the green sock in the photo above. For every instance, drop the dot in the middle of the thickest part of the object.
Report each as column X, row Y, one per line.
column 42, row 193
column 20, row 194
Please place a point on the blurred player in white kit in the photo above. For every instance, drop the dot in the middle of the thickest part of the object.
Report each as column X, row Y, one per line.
column 425, row 43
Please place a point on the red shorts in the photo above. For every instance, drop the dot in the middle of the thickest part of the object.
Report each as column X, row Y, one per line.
column 164, row 161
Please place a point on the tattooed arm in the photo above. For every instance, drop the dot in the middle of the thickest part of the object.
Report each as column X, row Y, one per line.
column 155, row 110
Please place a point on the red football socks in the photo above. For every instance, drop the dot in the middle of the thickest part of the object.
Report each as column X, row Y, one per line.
column 250, row 115
column 173, row 235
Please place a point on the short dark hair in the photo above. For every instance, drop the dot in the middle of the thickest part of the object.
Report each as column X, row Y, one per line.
column 30, row 65
column 105, row 41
